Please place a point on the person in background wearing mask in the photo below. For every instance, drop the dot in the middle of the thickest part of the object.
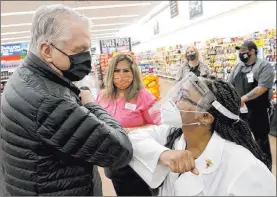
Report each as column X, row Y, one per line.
column 202, row 148
column 253, row 79
column 51, row 139
column 126, row 99
column 192, row 64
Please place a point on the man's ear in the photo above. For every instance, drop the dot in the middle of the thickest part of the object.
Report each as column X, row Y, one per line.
column 252, row 51
column 207, row 119
column 46, row 52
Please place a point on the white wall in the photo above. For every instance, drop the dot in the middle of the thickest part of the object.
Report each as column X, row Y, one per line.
column 219, row 19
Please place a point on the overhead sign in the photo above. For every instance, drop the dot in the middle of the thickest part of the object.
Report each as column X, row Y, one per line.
column 13, row 49
column 115, row 45
column 195, row 9
column 174, row 11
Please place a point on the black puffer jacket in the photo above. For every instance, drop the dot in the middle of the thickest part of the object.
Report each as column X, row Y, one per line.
column 49, row 141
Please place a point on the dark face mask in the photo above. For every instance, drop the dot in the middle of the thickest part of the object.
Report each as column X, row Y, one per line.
column 244, row 57
column 191, row 57
column 80, row 65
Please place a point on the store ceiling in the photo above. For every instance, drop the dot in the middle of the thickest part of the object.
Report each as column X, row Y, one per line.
column 107, row 16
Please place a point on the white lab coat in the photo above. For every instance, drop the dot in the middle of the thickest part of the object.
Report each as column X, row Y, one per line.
column 234, row 171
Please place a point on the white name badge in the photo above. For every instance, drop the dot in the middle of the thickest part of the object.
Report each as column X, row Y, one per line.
column 130, row 106
column 250, row 77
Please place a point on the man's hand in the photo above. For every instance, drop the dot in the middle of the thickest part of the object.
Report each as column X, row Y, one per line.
column 86, row 97
column 179, row 161
column 243, row 100
column 253, row 94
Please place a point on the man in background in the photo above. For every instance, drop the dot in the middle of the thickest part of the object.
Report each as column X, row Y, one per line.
column 253, row 79
column 52, row 139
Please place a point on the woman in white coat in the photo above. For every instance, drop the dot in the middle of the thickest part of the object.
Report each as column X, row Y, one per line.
column 202, row 148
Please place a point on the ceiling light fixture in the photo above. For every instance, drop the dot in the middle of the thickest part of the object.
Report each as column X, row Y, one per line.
column 111, row 6
column 14, row 33
column 101, row 34
column 81, row 8
column 28, row 24
column 17, row 25
column 111, row 17
column 2, row 43
column 22, row 32
column 101, row 30
column 15, row 38
column 111, row 36
column 111, row 24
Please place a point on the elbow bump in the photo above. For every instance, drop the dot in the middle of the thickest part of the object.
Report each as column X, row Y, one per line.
column 125, row 149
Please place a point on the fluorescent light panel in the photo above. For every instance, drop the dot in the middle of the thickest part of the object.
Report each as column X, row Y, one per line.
column 101, row 34
column 15, row 42
column 22, row 32
column 111, row 36
column 111, row 24
column 15, row 38
column 17, row 25
column 94, row 35
column 111, row 17
column 29, row 24
column 101, row 30
column 14, row 33
column 81, row 8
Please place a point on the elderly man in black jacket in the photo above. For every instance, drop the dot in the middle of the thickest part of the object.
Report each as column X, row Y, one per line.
column 52, row 137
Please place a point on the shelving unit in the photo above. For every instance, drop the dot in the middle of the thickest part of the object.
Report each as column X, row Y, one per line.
column 7, row 69
column 145, row 62
column 162, row 62
column 218, row 53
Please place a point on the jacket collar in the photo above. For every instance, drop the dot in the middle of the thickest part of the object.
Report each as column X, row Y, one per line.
column 210, row 159
column 35, row 64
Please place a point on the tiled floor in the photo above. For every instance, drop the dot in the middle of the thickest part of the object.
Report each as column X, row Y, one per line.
column 108, row 189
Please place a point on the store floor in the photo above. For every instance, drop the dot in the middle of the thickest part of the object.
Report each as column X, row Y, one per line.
column 165, row 85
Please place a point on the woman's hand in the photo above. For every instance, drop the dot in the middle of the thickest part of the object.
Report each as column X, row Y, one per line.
column 136, row 128
column 179, row 161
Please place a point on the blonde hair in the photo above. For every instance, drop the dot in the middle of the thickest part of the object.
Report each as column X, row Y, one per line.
column 196, row 52
column 110, row 91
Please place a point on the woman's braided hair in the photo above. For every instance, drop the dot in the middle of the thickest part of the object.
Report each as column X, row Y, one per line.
column 237, row 132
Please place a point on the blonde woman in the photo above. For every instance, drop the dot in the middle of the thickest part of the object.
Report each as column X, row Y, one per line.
column 125, row 98
column 192, row 64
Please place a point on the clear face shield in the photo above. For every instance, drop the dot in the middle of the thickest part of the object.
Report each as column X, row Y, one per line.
column 188, row 100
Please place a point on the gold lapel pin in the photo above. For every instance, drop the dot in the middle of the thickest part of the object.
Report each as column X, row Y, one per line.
column 209, row 163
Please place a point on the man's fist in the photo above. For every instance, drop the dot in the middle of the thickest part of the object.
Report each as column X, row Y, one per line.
column 179, row 161
column 86, row 97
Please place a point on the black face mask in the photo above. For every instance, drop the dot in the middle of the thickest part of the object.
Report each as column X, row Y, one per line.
column 191, row 57
column 244, row 57
column 80, row 65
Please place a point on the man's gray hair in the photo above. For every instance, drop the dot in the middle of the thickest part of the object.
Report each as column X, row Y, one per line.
column 50, row 24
